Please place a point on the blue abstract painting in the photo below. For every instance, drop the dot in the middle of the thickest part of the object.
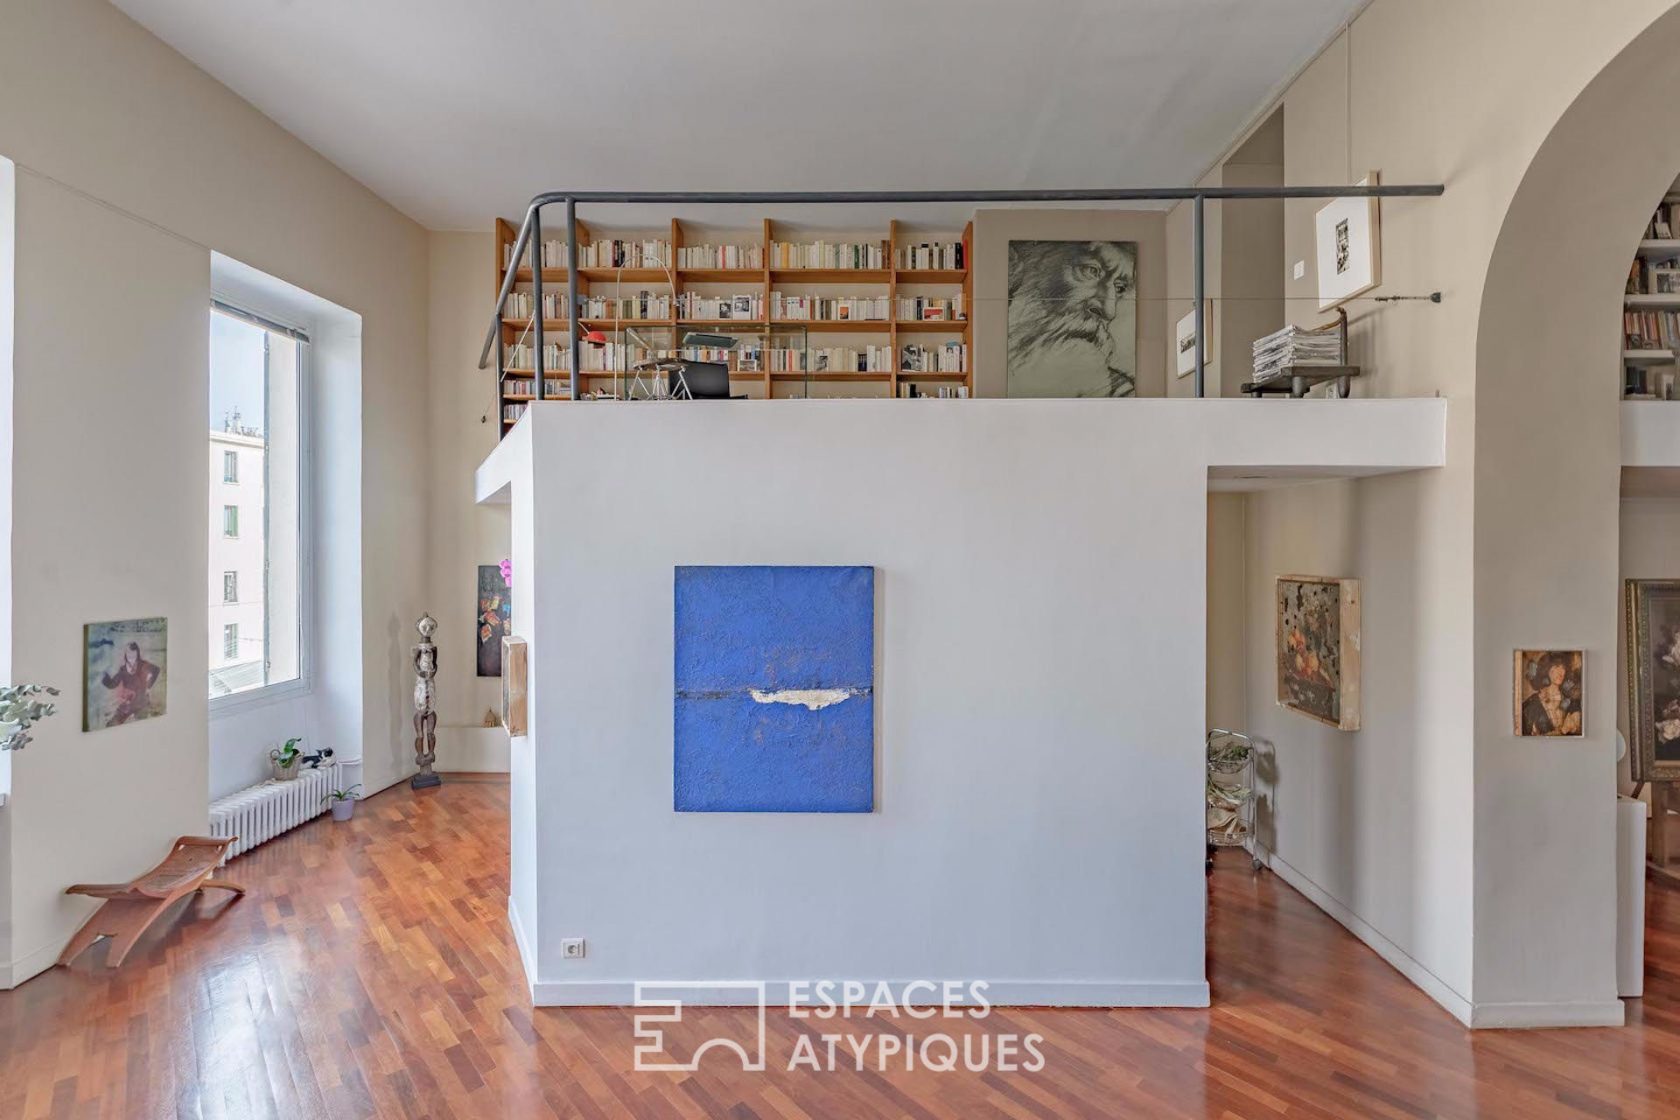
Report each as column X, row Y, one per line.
column 775, row 703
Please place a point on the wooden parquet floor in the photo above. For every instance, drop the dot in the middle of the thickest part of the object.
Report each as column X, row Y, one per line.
column 370, row 972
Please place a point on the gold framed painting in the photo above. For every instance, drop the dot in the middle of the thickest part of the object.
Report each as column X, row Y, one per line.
column 1549, row 693
column 1318, row 648
column 1653, row 674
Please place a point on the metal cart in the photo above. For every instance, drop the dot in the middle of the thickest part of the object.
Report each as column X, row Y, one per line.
column 1230, row 793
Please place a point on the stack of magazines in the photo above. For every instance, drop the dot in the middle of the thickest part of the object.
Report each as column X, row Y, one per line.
column 1295, row 346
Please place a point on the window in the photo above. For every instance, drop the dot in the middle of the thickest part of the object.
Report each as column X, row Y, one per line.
column 256, row 429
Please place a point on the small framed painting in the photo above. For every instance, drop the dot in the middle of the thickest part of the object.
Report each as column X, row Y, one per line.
column 1348, row 247
column 494, row 611
column 126, row 676
column 1318, row 648
column 1653, row 676
column 1548, row 693
column 1185, row 340
column 513, row 685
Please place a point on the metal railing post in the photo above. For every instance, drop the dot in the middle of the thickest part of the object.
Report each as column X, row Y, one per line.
column 1201, row 294
column 537, row 300
column 573, row 318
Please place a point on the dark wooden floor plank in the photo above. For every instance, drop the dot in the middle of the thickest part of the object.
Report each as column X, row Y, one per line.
column 370, row 972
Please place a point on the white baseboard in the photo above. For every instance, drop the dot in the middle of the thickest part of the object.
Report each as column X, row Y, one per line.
column 1004, row 993
column 1528, row 1016
column 30, row 966
column 527, row 960
column 1480, row 1016
column 472, row 750
column 1409, row 967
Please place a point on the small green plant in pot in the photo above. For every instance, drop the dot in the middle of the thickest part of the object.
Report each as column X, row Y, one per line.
column 284, row 760
column 344, row 802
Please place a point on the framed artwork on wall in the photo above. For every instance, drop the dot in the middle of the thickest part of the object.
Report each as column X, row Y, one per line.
column 1653, row 674
column 513, row 685
column 774, row 705
column 494, row 611
column 1184, row 351
column 1318, row 648
column 126, row 677
column 1347, row 237
column 1548, row 693
column 1072, row 318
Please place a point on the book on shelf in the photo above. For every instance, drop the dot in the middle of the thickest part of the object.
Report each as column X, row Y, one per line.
column 527, row 387
column 720, row 256
column 913, row 391
column 829, row 255
column 603, row 253
column 802, row 309
column 1648, row 384
column 1655, row 277
column 831, row 359
column 1650, row 330
column 642, row 305
column 693, row 305
column 746, row 358
column 930, row 255
column 932, row 309
column 952, row 357
column 1664, row 222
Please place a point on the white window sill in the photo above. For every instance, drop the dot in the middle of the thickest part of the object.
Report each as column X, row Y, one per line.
column 258, row 697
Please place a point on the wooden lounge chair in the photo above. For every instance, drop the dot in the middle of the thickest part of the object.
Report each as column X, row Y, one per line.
column 130, row 908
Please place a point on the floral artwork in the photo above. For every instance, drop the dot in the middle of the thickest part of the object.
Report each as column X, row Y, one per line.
column 1318, row 648
column 494, row 611
column 1653, row 675
column 1549, row 691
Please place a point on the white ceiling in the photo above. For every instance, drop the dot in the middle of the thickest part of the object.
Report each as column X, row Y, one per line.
column 458, row 110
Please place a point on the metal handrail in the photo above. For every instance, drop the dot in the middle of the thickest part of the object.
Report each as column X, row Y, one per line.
column 530, row 232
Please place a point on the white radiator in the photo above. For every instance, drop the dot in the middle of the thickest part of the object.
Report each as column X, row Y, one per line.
column 263, row 811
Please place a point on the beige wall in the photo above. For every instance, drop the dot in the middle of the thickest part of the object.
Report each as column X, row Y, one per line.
column 139, row 165
column 462, row 286
column 1243, row 258
column 995, row 229
column 1547, row 352
column 1227, row 596
column 1480, row 864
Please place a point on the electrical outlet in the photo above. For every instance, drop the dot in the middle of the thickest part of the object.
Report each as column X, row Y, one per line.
column 1300, row 270
column 571, row 948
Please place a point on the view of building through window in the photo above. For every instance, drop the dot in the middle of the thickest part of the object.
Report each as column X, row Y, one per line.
column 255, row 515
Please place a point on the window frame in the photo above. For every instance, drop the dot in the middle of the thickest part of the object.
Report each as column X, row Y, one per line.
column 230, row 640
column 230, row 587
column 234, row 521
column 230, row 468
column 272, row 318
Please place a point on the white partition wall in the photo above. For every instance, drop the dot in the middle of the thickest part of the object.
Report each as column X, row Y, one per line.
column 1040, row 574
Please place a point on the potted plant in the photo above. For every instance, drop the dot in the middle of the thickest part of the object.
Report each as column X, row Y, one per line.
column 344, row 802
column 284, row 760
column 19, row 710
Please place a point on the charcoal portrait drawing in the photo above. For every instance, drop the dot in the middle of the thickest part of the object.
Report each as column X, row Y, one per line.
column 1072, row 318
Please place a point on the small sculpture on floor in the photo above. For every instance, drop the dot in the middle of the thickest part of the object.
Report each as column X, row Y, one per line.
column 425, row 719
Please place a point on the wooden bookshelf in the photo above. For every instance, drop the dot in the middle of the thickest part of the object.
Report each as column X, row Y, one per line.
column 596, row 280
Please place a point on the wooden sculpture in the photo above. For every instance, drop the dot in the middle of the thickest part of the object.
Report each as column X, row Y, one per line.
column 130, row 908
